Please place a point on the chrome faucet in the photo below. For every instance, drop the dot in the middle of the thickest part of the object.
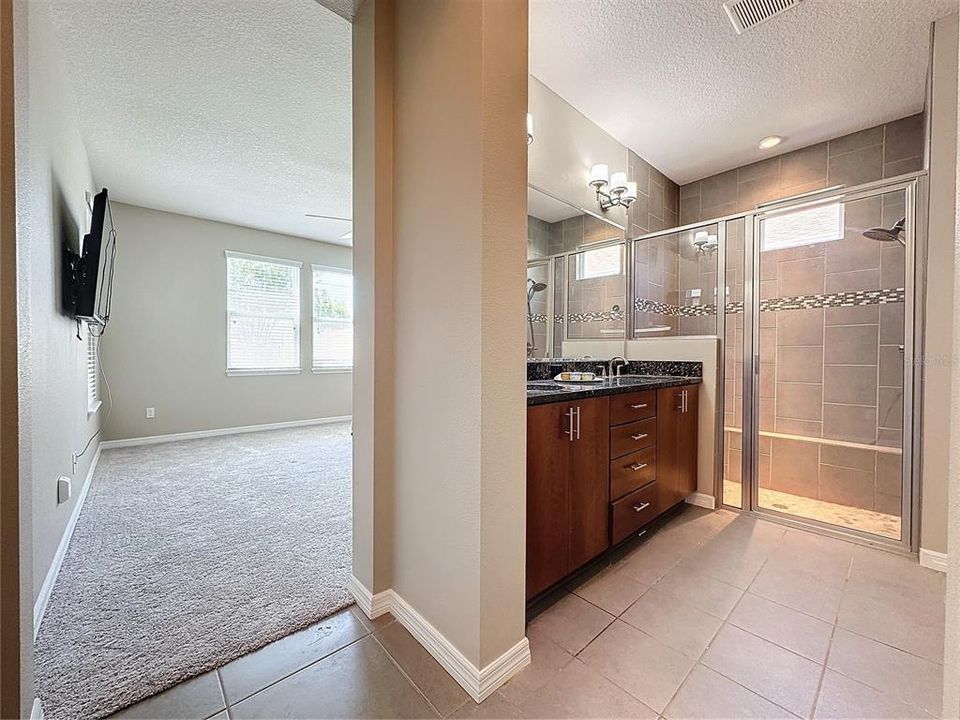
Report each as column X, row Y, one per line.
column 620, row 363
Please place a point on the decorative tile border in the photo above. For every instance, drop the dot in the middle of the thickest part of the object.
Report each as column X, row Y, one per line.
column 537, row 318
column 856, row 298
column 606, row 316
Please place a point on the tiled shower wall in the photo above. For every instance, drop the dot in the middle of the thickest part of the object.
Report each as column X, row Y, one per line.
column 826, row 372
column 875, row 153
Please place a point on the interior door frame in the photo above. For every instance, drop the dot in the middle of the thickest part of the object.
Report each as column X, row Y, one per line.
column 914, row 187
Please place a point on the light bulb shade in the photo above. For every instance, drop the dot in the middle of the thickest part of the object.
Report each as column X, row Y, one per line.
column 700, row 239
column 618, row 183
column 631, row 192
column 711, row 241
column 529, row 128
column 599, row 175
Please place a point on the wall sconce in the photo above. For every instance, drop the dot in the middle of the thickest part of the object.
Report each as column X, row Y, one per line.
column 529, row 129
column 612, row 190
column 704, row 244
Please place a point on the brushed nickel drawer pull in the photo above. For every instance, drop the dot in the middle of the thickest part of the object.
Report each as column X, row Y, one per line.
column 641, row 406
column 638, row 466
column 641, row 507
column 639, row 437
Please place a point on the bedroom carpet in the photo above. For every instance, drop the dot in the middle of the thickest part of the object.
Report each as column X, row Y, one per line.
column 189, row 554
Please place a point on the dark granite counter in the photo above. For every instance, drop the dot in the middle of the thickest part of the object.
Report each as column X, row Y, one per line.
column 541, row 392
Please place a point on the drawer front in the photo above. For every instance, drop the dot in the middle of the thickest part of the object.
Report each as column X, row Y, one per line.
column 633, row 512
column 632, row 471
column 634, row 436
column 632, row 406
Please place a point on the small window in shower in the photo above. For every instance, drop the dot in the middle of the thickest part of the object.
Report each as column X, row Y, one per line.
column 807, row 226
column 601, row 262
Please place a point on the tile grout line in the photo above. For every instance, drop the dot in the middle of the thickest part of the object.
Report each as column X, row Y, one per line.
column 410, row 679
column 226, row 705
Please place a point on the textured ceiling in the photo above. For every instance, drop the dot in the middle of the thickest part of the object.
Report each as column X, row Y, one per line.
column 238, row 111
column 673, row 81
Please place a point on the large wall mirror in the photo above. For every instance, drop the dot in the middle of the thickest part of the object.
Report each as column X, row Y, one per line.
column 576, row 275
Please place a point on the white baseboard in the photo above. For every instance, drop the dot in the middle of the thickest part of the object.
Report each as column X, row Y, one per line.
column 36, row 713
column 173, row 437
column 40, row 606
column 933, row 559
column 479, row 683
column 703, row 500
column 373, row 606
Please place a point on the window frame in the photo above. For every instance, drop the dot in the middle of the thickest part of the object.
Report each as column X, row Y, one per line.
column 298, row 265
column 326, row 369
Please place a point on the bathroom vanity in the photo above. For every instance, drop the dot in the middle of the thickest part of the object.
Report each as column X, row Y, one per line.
column 603, row 461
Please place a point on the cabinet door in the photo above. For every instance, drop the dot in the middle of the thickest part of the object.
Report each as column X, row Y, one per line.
column 669, row 408
column 548, row 499
column 688, row 444
column 589, row 482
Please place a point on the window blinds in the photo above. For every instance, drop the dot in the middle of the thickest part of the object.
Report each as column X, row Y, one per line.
column 332, row 318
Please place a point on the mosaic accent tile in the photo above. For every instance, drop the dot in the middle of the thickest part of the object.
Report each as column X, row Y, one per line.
column 539, row 318
column 558, row 319
column 660, row 308
column 796, row 302
column 605, row 316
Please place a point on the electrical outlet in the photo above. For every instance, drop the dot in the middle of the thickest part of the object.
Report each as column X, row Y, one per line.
column 151, row 413
column 64, row 486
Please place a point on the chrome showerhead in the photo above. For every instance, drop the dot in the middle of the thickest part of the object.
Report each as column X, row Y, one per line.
column 893, row 234
column 534, row 288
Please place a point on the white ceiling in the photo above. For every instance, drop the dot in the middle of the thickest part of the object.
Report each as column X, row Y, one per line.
column 673, row 81
column 230, row 110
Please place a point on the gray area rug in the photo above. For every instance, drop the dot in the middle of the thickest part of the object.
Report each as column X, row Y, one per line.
column 189, row 554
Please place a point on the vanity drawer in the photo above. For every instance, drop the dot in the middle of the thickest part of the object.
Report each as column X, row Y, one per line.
column 632, row 406
column 632, row 437
column 632, row 512
column 632, row 471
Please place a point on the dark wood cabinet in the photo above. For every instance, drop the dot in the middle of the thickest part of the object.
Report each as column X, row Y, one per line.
column 599, row 470
column 568, row 492
column 676, row 445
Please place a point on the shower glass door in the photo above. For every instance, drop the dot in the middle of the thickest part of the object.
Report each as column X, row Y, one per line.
column 829, row 328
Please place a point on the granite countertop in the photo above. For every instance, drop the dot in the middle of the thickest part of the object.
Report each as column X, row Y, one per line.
column 541, row 392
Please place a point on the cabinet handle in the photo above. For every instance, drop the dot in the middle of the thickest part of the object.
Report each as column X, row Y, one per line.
column 578, row 422
column 639, row 437
column 641, row 507
column 685, row 406
column 641, row 406
column 638, row 466
column 571, row 432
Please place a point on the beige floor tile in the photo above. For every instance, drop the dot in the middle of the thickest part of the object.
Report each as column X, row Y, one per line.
column 199, row 697
column 547, row 659
column 901, row 620
column 702, row 591
column 250, row 673
column 737, row 567
column 908, row 678
column 707, row 695
column 637, row 662
column 572, row 623
column 495, row 707
column 798, row 590
column 842, row 698
column 673, row 622
column 747, row 533
column 803, row 634
column 825, row 558
column 883, row 573
column 372, row 625
column 779, row 675
column 359, row 681
column 651, row 560
column 611, row 589
column 579, row 691
column 436, row 684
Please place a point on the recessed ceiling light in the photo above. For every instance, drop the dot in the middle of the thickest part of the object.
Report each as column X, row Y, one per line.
column 770, row 141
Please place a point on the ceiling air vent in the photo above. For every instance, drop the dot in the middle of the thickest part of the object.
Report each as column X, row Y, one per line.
column 744, row 14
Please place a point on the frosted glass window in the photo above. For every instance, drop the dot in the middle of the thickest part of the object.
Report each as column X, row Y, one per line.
column 601, row 262
column 808, row 226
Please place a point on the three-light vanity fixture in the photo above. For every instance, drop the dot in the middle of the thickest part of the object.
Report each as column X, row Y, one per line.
column 612, row 190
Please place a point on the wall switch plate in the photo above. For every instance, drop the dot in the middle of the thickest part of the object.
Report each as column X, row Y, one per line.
column 151, row 413
column 64, row 487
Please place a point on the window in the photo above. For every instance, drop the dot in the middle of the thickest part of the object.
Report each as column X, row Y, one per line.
column 263, row 315
column 600, row 262
column 93, row 391
column 822, row 223
column 332, row 319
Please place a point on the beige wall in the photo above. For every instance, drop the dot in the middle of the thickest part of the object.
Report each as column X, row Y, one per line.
column 939, row 319
column 165, row 346
column 52, row 176
column 444, row 89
